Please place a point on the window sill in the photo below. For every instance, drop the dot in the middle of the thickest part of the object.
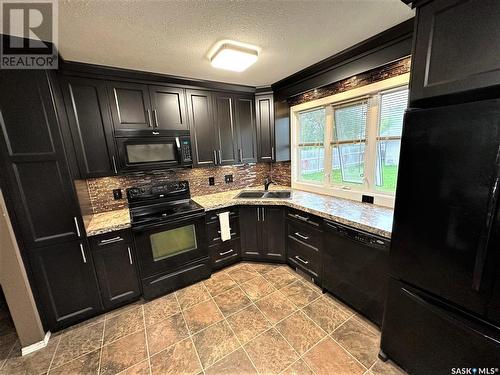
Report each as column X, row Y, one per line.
column 379, row 199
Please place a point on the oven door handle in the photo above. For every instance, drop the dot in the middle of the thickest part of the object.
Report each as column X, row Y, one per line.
column 177, row 220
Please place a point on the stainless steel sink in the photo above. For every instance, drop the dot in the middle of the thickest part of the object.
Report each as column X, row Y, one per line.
column 278, row 194
column 251, row 194
column 260, row 194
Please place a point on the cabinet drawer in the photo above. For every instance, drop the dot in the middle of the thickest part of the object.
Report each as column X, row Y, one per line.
column 225, row 253
column 102, row 240
column 213, row 231
column 304, row 217
column 304, row 257
column 212, row 216
column 305, row 233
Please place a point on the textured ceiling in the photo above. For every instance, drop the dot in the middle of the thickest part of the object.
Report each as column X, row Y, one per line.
column 173, row 37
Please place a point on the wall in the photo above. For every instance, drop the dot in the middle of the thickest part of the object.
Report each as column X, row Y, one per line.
column 101, row 189
column 15, row 285
column 390, row 70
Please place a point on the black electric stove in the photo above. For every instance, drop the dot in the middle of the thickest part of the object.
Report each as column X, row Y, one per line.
column 152, row 205
column 170, row 237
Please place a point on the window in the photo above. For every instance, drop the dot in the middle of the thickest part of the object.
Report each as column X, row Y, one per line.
column 348, row 143
column 350, row 147
column 392, row 107
column 311, row 145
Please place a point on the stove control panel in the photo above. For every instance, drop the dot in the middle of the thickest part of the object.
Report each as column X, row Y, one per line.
column 163, row 191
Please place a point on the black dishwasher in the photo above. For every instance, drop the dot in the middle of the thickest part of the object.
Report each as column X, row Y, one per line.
column 355, row 268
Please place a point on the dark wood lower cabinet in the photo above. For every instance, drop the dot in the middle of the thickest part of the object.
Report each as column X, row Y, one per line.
column 262, row 232
column 66, row 283
column 116, row 273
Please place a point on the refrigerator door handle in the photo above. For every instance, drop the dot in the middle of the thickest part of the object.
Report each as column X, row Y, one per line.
column 480, row 263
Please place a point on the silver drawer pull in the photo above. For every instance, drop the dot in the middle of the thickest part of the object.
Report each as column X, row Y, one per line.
column 297, row 216
column 129, row 255
column 77, row 226
column 111, row 240
column 226, row 252
column 301, row 260
column 83, row 253
column 301, row 236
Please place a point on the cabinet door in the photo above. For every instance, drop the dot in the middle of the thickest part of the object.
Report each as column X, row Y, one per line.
column 202, row 127
column 169, row 108
column 66, row 284
column 225, row 129
column 130, row 107
column 273, row 233
column 116, row 273
column 33, row 161
column 90, row 122
column 265, row 127
column 245, row 123
column 453, row 52
column 250, row 231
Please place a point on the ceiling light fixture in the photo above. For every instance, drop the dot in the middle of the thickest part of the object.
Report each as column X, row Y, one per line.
column 234, row 56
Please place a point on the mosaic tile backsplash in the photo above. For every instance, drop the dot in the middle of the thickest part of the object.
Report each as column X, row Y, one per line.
column 101, row 189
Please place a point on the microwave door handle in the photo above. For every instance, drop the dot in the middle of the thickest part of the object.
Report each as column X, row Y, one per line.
column 178, row 142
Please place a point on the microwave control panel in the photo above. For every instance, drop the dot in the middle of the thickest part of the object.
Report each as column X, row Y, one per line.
column 186, row 151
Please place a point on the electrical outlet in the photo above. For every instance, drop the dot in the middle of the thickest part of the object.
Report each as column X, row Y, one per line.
column 228, row 178
column 117, row 194
column 211, row 181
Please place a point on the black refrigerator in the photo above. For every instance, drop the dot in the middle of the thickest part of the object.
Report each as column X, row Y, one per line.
column 442, row 313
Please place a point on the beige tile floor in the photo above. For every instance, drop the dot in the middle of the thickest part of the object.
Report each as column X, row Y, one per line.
column 246, row 319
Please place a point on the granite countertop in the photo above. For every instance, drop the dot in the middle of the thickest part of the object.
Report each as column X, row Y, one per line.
column 109, row 221
column 364, row 216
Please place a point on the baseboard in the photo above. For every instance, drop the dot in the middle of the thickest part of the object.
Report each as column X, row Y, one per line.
column 36, row 346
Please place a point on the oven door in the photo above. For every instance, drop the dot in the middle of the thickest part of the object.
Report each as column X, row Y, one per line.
column 137, row 154
column 168, row 246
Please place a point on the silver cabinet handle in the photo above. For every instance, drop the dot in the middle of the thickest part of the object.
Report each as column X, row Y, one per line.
column 129, row 255
column 156, row 133
column 272, row 153
column 150, row 122
column 155, row 118
column 215, row 157
column 226, row 252
column 111, row 240
column 297, row 216
column 77, row 226
column 220, row 156
column 241, row 156
column 263, row 215
column 258, row 213
column 83, row 253
column 301, row 260
column 301, row 236
column 114, row 164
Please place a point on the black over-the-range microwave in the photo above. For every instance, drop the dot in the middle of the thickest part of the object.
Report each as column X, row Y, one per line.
column 136, row 153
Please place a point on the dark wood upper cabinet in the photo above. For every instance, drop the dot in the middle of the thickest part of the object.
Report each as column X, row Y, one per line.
column 225, row 129
column 65, row 280
column 264, row 111
column 130, row 107
column 245, row 120
column 91, row 127
column 168, row 108
column 201, row 120
column 116, row 272
column 33, row 159
column 455, row 47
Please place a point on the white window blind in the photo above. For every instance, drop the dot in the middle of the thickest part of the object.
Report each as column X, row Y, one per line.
column 392, row 107
column 348, row 143
column 311, row 150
